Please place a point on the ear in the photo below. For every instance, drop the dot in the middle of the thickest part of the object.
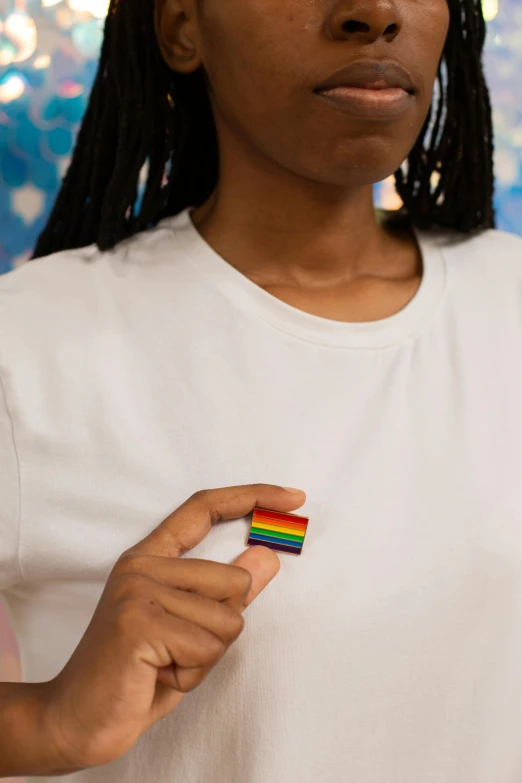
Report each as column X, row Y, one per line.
column 175, row 25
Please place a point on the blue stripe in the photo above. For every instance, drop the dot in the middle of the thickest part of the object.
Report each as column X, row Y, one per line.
column 275, row 540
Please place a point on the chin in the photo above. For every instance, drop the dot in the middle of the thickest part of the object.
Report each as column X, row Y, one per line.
column 355, row 175
column 367, row 164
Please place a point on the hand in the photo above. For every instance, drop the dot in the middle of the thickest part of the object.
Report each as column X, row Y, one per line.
column 160, row 626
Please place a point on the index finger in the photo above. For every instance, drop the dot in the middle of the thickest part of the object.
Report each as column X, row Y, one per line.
column 191, row 522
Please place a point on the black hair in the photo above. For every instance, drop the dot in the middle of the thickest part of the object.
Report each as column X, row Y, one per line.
column 145, row 119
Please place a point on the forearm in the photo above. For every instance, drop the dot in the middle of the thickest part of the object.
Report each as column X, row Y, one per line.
column 24, row 744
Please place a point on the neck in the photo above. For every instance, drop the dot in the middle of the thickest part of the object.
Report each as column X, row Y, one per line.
column 275, row 226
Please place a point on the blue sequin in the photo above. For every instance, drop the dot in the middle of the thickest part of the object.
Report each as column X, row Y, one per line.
column 27, row 137
column 44, row 174
column 13, row 170
column 60, row 141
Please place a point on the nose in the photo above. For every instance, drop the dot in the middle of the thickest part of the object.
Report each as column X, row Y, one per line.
column 365, row 21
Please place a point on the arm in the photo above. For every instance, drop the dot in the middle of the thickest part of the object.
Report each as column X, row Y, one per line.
column 24, row 747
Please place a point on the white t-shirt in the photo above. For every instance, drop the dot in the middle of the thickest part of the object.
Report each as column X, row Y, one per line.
column 390, row 650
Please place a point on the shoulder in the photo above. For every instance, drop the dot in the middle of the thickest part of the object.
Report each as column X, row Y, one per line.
column 486, row 247
column 35, row 289
column 483, row 244
column 489, row 260
column 73, row 289
column 489, row 247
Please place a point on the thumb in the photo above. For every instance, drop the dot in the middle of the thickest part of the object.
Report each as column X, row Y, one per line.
column 191, row 522
column 263, row 564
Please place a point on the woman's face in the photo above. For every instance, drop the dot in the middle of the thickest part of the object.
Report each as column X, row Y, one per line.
column 264, row 60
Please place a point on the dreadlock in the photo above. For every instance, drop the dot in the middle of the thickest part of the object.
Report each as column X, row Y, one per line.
column 142, row 116
column 460, row 163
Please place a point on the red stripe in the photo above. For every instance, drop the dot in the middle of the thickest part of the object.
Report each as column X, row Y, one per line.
column 264, row 512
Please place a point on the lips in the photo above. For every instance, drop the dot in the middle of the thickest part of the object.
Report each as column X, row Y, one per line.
column 372, row 75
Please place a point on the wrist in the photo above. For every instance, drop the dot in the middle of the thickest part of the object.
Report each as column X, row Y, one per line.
column 27, row 744
column 47, row 720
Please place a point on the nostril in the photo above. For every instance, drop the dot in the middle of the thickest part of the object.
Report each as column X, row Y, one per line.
column 356, row 27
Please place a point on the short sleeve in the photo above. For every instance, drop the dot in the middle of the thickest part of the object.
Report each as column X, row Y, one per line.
column 9, row 498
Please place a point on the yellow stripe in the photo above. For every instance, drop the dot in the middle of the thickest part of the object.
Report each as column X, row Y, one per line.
column 291, row 530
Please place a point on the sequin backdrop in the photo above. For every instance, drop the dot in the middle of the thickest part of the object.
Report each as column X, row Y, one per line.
column 48, row 57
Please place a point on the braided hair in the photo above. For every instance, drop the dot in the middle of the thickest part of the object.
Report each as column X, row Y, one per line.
column 144, row 117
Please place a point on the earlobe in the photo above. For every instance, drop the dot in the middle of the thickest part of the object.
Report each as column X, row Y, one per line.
column 175, row 32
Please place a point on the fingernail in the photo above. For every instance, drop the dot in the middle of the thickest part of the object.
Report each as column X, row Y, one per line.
column 294, row 490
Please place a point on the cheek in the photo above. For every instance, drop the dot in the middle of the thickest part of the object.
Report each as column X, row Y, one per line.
column 428, row 37
column 252, row 86
column 247, row 56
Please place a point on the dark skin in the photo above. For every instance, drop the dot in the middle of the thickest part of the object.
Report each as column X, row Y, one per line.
column 293, row 210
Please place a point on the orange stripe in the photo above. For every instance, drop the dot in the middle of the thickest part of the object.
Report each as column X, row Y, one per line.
column 281, row 517
column 276, row 523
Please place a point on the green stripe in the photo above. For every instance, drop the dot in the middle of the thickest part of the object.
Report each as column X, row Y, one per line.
column 277, row 534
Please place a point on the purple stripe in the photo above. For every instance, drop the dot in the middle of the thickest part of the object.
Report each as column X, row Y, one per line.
column 279, row 547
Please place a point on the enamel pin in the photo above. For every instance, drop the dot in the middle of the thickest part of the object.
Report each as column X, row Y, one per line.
column 277, row 530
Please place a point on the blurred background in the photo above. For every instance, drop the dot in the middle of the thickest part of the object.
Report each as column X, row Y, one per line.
column 48, row 59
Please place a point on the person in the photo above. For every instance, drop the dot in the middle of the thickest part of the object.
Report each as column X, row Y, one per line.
column 258, row 322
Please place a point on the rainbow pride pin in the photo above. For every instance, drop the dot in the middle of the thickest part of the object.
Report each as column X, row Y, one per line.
column 277, row 530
